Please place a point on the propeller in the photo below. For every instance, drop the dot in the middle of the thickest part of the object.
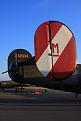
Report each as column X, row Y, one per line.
column 16, row 57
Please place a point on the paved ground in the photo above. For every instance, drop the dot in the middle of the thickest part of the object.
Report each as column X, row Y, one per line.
column 51, row 106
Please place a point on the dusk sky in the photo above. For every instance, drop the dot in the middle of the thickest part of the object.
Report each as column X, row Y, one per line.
column 20, row 18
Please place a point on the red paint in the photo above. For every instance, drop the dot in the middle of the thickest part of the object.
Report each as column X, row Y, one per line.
column 41, row 39
column 66, row 63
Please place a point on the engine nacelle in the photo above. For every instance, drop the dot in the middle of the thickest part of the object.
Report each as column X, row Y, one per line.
column 15, row 68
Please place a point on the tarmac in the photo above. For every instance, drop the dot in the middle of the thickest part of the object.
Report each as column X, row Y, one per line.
column 52, row 105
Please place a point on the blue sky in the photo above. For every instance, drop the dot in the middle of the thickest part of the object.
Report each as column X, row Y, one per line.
column 20, row 18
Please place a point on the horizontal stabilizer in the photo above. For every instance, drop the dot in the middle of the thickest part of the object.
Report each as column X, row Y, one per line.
column 4, row 72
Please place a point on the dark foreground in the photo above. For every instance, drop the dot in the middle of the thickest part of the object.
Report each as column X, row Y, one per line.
column 50, row 106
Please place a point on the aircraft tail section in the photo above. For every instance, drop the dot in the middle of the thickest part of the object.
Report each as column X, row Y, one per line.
column 15, row 68
column 55, row 50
